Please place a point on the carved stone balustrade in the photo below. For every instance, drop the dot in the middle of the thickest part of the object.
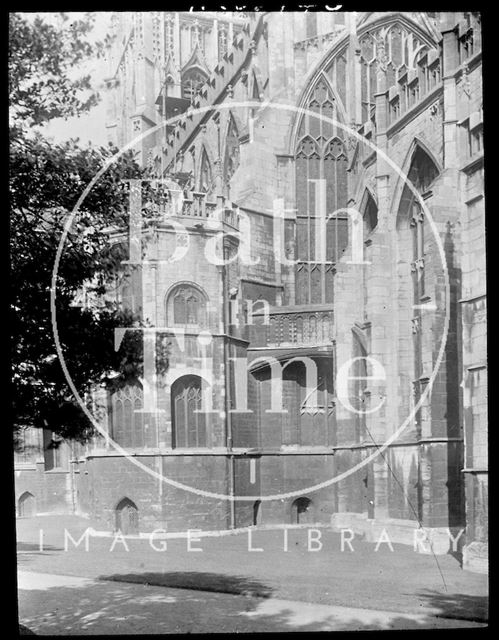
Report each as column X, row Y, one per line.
column 310, row 325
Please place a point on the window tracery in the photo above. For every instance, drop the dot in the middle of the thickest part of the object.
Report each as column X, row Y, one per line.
column 320, row 158
column 192, row 81
column 189, row 422
column 186, row 305
column 397, row 50
column 411, row 225
column 129, row 427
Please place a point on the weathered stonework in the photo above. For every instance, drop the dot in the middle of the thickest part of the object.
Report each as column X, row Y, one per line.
column 424, row 113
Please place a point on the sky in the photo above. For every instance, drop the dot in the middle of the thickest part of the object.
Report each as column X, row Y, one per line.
column 90, row 127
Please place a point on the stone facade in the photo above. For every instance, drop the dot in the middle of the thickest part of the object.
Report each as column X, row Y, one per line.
column 268, row 115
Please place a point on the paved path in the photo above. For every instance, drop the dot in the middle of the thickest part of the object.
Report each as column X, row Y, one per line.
column 54, row 604
column 398, row 580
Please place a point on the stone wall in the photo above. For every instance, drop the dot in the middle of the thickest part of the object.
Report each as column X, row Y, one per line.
column 417, row 479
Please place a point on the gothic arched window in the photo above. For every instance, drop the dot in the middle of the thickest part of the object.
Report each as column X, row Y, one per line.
column 368, row 72
column 53, row 451
column 257, row 512
column 255, row 96
column 128, row 416
column 188, row 422
column 130, row 428
column 186, row 305
column 302, row 511
column 393, row 46
column 422, row 173
column 321, row 176
column 423, row 170
column 412, row 242
column 370, row 215
column 26, row 505
column 255, row 92
column 127, row 517
column 231, row 160
column 205, row 177
column 169, row 85
column 192, row 81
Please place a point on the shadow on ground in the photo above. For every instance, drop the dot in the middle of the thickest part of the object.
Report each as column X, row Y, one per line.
column 197, row 581
column 29, row 546
column 456, row 606
column 135, row 607
column 443, row 605
column 446, row 605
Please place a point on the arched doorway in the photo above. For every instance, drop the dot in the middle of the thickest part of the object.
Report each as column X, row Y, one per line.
column 127, row 517
column 302, row 511
column 26, row 505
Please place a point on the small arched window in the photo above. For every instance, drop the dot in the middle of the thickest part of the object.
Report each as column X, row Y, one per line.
column 398, row 47
column 257, row 507
column 205, row 176
column 192, row 81
column 169, row 85
column 255, row 96
column 370, row 215
column 26, row 505
column 186, row 305
column 422, row 173
column 127, row 517
column 301, row 511
column 423, row 170
column 255, row 93
column 231, row 160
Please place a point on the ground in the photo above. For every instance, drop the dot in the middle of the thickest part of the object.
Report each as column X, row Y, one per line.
column 229, row 587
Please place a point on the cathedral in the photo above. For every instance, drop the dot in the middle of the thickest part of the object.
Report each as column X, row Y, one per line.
column 320, row 175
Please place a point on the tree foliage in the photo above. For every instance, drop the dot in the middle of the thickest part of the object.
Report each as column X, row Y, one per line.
column 46, row 181
column 42, row 60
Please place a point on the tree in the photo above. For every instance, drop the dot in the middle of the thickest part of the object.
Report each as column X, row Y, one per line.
column 41, row 59
column 46, row 181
